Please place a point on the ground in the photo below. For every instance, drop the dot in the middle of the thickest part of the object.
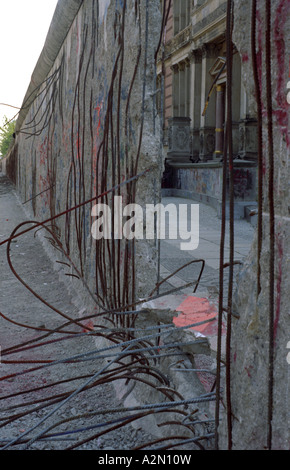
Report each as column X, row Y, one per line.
column 25, row 317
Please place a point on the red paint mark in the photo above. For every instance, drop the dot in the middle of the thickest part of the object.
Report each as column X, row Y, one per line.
column 245, row 57
column 260, row 28
column 281, row 112
column 44, row 183
column 98, row 108
column 44, row 148
column 207, row 380
column 248, row 371
column 89, row 326
column 194, row 310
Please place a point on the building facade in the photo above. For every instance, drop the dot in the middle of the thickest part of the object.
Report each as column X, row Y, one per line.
column 193, row 67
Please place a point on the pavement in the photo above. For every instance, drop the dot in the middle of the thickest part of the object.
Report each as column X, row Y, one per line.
column 208, row 249
column 190, row 306
column 200, row 304
column 22, row 308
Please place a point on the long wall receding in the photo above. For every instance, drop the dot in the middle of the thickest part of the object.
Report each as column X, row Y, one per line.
column 88, row 124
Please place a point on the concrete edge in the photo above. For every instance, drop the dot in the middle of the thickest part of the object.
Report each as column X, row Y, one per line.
column 64, row 15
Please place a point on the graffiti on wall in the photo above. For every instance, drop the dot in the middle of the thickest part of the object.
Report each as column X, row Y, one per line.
column 83, row 135
column 201, row 181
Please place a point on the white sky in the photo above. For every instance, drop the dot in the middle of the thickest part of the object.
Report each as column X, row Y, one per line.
column 23, row 28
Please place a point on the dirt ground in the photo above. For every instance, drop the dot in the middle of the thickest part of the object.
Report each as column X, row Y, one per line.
column 31, row 386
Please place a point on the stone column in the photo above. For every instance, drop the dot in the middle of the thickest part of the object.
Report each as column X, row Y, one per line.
column 195, row 103
column 207, row 122
column 175, row 94
column 181, row 84
column 220, row 118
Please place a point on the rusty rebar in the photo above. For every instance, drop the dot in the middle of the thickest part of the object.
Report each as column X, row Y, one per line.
column 271, row 203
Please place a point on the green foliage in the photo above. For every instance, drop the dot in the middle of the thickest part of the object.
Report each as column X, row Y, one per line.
column 6, row 136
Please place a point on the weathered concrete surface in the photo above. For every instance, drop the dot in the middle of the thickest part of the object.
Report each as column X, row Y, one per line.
column 250, row 342
column 92, row 126
column 65, row 13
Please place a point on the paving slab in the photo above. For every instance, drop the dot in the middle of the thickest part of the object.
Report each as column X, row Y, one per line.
column 202, row 303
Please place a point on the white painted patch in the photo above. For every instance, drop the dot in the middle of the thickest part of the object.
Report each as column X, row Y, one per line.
column 103, row 7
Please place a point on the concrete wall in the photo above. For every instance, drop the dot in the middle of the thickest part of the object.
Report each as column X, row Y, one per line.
column 251, row 388
column 87, row 124
column 203, row 183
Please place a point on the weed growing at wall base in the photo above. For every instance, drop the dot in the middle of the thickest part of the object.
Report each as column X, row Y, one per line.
column 157, row 221
column 6, row 136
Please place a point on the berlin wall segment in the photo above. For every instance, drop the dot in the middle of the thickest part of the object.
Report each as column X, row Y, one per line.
column 89, row 128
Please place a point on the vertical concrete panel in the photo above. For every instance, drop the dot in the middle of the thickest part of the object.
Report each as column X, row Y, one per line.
column 250, row 365
column 92, row 127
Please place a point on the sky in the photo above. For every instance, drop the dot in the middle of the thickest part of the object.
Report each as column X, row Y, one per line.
column 23, row 28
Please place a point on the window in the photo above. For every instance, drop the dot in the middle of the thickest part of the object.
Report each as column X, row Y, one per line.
column 181, row 90
column 181, row 10
column 198, row 3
